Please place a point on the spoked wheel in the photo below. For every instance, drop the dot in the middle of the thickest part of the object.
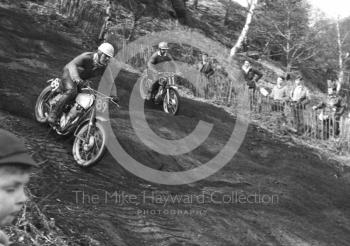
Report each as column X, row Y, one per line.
column 88, row 150
column 172, row 105
column 42, row 107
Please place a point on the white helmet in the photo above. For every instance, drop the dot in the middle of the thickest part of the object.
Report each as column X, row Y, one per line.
column 163, row 46
column 107, row 49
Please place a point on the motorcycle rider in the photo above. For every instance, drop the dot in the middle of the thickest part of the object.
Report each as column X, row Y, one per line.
column 85, row 66
column 154, row 66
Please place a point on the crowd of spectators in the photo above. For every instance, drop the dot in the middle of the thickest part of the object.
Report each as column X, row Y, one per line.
column 297, row 97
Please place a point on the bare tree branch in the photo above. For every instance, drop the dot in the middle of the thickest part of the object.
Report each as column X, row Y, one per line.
column 280, row 32
column 345, row 36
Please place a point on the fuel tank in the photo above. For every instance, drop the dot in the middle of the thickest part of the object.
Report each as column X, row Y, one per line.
column 85, row 100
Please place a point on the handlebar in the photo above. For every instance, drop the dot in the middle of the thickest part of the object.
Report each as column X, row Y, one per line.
column 100, row 94
column 85, row 83
column 167, row 74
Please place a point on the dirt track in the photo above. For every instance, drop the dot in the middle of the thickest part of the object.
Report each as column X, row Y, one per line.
column 310, row 197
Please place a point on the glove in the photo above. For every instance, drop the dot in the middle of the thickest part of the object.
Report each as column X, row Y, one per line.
column 78, row 81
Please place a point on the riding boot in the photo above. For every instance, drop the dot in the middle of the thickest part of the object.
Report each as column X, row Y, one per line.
column 159, row 90
column 159, row 94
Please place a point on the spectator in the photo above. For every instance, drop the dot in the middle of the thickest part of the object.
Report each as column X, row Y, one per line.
column 300, row 97
column 279, row 94
column 332, row 109
column 345, row 134
column 206, row 66
column 108, row 22
column 251, row 76
column 206, row 69
column 245, row 45
column 15, row 167
column 288, row 82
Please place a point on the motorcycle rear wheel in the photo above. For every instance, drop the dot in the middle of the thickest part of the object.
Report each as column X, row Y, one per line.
column 42, row 110
column 87, row 158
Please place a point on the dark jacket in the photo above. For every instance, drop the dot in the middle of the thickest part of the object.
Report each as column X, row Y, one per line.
column 156, row 59
column 207, row 69
column 82, row 67
column 334, row 104
column 251, row 77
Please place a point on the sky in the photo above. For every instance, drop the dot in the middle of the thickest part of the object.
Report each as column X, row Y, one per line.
column 332, row 8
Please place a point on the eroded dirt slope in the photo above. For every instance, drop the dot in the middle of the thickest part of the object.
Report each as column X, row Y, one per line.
column 309, row 196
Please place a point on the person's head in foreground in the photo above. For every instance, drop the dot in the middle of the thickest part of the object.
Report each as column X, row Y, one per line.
column 15, row 168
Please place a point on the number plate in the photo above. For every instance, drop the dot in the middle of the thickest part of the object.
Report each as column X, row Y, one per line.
column 101, row 105
column 55, row 85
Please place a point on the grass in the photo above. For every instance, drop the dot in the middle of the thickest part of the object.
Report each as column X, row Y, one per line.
column 34, row 228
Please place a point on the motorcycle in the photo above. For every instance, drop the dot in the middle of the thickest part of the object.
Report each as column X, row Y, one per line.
column 168, row 97
column 78, row 117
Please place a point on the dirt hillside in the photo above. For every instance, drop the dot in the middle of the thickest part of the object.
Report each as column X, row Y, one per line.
column 303, row 196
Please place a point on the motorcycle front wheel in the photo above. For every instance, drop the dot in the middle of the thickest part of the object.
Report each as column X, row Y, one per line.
column 173, row 105
column 41, row 106
column 88, row 150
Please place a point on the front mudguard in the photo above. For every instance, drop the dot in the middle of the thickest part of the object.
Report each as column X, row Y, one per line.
column 100, row 119
column 174, row 87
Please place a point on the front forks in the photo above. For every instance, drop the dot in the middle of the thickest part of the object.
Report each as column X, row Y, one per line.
column 92, row 122
column 168, row 95
column 89, row 140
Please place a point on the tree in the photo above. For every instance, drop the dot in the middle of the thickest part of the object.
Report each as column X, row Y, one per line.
column 195, row 4
column 341, row 38
column 245, row 29
column 180, row 9
column 137, row 13
column 242, row 37
column 333, row 44
column 229, row 7
column 284, row 27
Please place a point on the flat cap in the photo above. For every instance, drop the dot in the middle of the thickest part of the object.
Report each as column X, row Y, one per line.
column 12, row 150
